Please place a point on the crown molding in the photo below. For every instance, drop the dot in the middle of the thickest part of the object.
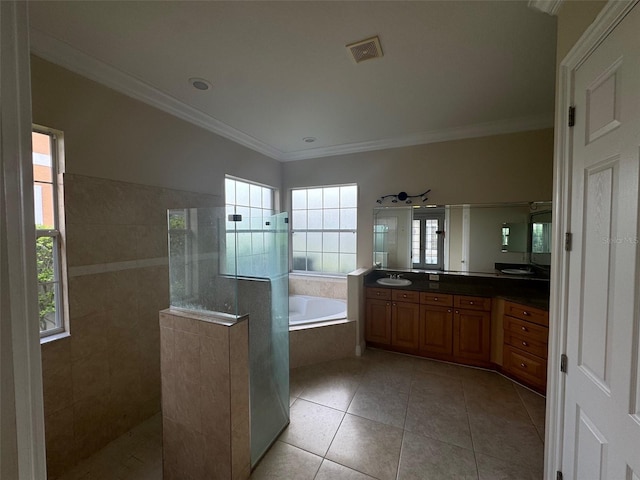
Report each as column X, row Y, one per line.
column 550, row 7
column 499, row 127
column 63, row 54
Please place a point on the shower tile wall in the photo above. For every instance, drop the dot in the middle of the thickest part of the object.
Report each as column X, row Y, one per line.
column 105, row 377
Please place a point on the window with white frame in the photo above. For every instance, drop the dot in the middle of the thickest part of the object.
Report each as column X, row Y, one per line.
column 323, row 229
column 427, row 239
column 47, row 211
column 245, row 238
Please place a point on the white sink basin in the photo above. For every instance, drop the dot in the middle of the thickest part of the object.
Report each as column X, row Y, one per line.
column 394, row 282
column 516, row 271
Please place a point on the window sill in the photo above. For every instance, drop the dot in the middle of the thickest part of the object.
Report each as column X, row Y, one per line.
column 318, row 275
column 53, row 337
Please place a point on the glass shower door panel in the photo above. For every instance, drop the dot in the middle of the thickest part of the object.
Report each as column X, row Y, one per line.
column 269, row 342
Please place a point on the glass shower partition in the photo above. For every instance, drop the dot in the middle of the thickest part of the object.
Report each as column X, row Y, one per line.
column 269, row 341
column 230, row 264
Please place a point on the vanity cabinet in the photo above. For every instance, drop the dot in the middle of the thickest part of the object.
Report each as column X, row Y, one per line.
column 405, row 318
column 526, row 336
column 472, row 335
column 436, row 324
column 378, row 315
column 447, row 327
column 392, row 317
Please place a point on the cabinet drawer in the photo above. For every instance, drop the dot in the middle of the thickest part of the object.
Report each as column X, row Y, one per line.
column 526, row 366
column 529, row 345
column 436, row 299
column 381, row 293
column 472, row 303
column 535, row 315
column 405, row 296
column 527, row 330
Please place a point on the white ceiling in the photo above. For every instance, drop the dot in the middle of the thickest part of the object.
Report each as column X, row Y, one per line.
column 280, row 70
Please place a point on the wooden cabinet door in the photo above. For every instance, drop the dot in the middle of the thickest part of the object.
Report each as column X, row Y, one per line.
column 436, row 329
column 378, row 321
column 472, row 335
column 405, row 325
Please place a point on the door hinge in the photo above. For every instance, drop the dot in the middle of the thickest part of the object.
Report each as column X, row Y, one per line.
column 572, row 116
column 559, row 475
column 568, row 241
column 564, row 360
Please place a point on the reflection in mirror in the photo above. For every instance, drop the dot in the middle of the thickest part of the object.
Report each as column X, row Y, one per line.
column 467, row 238
column 541, row 238
column 514, row 237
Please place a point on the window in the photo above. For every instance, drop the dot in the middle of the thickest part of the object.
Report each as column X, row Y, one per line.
column 427, row 240
column 255, row 203
column 46, row 181
column 323, row 229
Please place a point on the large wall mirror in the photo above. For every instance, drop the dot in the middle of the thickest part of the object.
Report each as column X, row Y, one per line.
column 465, row 238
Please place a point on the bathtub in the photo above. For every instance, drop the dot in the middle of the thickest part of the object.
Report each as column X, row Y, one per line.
column 304, row 309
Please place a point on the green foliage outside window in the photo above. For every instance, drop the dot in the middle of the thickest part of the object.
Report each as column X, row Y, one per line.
column 46, row 282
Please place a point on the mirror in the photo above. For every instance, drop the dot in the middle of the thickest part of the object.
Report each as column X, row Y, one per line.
column 467, row 238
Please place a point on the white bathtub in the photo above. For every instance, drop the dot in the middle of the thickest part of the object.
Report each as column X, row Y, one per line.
column 304, row 309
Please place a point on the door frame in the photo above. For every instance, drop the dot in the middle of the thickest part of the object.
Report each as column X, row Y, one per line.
column 608, row 18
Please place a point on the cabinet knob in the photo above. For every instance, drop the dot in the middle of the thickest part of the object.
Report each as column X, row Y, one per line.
column 523, row 365
column 470, row 303
column 524, row 329
column 457, row 311
column 435, row 299
column 525, row 313
column 525, row 344
column 395, row 304
column 449, row 311
column 388, row 304
column 378, row 293
column 404, row 295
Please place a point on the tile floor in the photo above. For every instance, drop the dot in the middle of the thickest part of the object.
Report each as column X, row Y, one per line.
column 382, row 416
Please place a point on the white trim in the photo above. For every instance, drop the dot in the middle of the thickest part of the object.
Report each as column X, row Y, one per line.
column 499, row 127
column 546, row 6
column 22, row 439
column 612, row 13
column 63, row 54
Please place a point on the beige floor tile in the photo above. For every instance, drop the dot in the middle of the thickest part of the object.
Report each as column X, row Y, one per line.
column 432, row 384
column 490, row 468
column 447, row 409
column 439, row 419
column 286, row 461
column 367, row 446
column 515, row 441
column 428, row 458
column 497, row 400
column 312, row 427
column 381, row 405
column 331, row 390
column 334, row 471
column 535, row 405
column 438, row 368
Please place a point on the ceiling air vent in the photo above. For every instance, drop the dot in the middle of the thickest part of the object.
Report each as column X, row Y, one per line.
column 365, row 49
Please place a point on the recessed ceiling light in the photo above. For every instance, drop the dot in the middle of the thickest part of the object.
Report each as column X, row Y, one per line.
column 309, row 139
column 200, row 83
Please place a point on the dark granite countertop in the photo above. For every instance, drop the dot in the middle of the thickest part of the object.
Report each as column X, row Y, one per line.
column 524, row 290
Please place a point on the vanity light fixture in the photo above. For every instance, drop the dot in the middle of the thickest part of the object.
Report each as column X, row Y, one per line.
column 404, row 197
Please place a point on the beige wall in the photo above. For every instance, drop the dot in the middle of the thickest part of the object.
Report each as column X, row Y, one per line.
column 573, row 19
column 503, row 168
column 109, row 135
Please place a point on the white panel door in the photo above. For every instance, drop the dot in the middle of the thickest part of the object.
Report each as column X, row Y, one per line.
column 602, row 400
